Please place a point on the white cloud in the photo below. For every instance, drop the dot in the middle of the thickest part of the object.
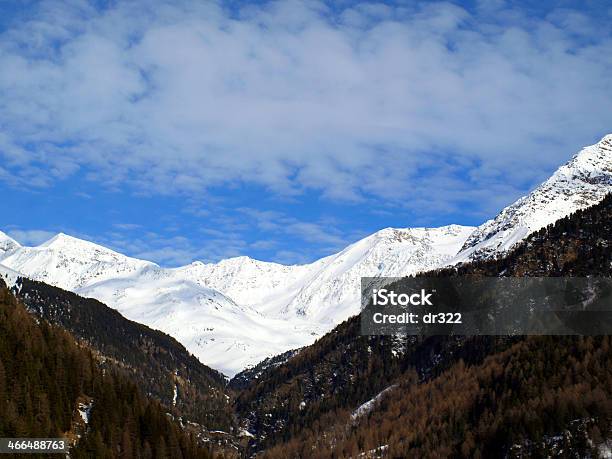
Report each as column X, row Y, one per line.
column 291, row 257
column 30, row 237
column 373, row 101
column 323, row 234
column 174, row 250
column 127, row 226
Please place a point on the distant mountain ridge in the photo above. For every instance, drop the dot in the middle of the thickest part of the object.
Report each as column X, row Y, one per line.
column 234, row 313
column 71, row 263
column 279, row 307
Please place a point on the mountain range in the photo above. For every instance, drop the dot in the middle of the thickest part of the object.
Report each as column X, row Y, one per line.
column 234, row 313
column 513, row 397
column 72, row 366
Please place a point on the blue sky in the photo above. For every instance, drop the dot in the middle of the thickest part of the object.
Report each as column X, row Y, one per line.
column 176, row 131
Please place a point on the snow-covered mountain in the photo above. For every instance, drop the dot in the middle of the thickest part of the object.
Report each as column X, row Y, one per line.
column 9, row 275
column 327, row 291
column 580, row 183
column 332, row 291
column 264, row 285
column 7, row 244
column 217, row 330
column 221, row 333
column 239, row 311
column 71, row 263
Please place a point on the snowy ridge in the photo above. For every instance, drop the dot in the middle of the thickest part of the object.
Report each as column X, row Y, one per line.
column 327, row 291
column 7, row 244
column 70, row 263
column 580, row 183
column 332, row 293
column 247, row 281
column 237, row 312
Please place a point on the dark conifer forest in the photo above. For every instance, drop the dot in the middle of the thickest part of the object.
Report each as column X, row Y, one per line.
column 45, row 376
column 155, row 361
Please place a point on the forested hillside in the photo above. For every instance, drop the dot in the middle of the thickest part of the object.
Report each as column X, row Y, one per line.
column 160, row 365
column 52, row 387
column 467, row 391
column 515, row 403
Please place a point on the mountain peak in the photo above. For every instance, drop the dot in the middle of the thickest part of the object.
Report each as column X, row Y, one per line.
column 581, row 182
column 71, row 263
column 594, row 158
column 62, row 239
column 606, row 139
column 405, row 234
column 65, row 243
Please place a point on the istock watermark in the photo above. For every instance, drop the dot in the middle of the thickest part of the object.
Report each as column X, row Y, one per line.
column 486, row 305
column 384, row 297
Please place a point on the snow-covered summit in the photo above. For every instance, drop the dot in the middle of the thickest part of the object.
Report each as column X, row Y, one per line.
column 332, row 292
column 244, row 279
column 328, row 289
column 63, row 240
column 70, row 263
column 582, row 182
column 240, row 310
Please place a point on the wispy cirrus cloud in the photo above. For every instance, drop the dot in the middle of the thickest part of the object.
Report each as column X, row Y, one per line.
column 30, row 237
column 325, row 234
column 127, row 226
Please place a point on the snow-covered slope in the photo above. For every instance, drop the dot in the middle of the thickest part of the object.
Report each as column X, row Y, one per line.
column 332, row 293
column 217, row 330
column 328, row 289
column 264, row 285
column 239, row 311
column 221, row 333
column 70, row 263
column 7, row 244
column 580, row 183
column 267, row 308
column 9, row 275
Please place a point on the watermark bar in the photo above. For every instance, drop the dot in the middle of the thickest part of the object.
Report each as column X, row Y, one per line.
column 33, row 445
column 486, row 306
